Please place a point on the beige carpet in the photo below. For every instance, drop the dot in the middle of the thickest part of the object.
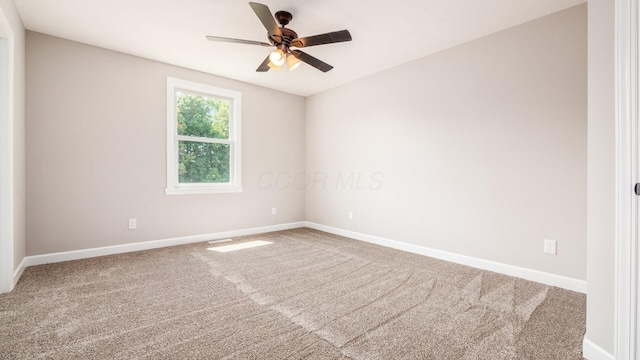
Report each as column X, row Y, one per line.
column 309, row 295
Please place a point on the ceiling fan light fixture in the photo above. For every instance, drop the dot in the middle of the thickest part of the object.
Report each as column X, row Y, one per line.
column 274, row 66
column 277, row 57
column 293, row 62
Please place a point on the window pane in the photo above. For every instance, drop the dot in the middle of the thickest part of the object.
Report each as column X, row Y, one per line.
column 201, row 162
column 202, row 116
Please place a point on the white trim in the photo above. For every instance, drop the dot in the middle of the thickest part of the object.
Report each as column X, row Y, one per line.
column 235, row 152
column 154, row 244
column 202, row 190
column 626, row 120
column 591, row 351
column 19, row 271
column 524, row 273
column 6, row 156
column 203, row 139
column 528, row 274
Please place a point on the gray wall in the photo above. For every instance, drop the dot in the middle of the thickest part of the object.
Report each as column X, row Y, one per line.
column 601, row 175
column 96, row 152
column 478, row 150
column 11, row 13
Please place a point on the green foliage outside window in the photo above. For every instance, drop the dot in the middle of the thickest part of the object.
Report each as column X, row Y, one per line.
column 199, row 161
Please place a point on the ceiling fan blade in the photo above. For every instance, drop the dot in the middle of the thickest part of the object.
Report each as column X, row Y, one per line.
column 237, row 41
column 316, row 63
column 264, row 14
column 328, row 38
column 264, row 67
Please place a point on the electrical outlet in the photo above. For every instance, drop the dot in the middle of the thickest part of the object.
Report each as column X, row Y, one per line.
column 133, row 223
column 550, row 247
column 274, row 211
column 350, row 215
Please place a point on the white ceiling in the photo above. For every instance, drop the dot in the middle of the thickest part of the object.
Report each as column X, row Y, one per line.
column 386, row 33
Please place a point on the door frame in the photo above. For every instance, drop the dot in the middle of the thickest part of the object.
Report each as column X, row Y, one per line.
column 6, row 154
column 627, row 140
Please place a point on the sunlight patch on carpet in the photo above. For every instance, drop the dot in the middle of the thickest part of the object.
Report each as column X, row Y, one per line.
column 234, row 247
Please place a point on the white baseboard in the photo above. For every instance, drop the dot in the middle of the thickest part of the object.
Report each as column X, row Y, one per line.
column 19, row 271
column 591, row 351
column 154, row 244
column 524, row 273
column 528, row 274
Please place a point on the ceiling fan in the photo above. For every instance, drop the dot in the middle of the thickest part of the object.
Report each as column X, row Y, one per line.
column 284, row 39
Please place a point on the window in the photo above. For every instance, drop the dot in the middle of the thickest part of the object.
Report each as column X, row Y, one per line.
column 203, row 139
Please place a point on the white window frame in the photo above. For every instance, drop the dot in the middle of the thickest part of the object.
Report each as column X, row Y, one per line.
column 234, row 184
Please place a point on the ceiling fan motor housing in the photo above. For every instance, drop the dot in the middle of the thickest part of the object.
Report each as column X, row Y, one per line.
column 283, row 18
column 287, row 36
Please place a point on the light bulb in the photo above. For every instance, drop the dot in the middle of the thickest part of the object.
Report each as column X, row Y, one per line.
column 293, row 62
column 277, row 57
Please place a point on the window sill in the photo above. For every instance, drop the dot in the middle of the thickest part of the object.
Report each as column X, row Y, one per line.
column 202, row 190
